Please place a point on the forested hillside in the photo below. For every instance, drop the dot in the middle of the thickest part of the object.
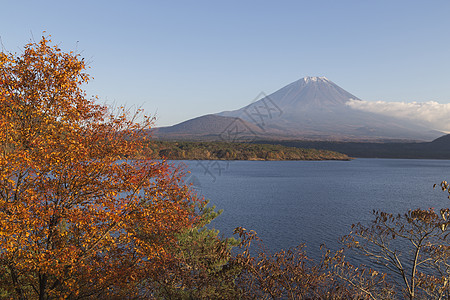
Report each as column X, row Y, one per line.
column 234, row 151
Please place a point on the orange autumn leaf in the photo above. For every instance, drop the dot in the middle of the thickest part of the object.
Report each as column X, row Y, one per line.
column 77, row 219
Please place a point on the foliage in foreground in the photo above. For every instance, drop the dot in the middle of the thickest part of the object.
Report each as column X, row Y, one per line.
column 78, row 221
column 75, row 220
column 410, row 254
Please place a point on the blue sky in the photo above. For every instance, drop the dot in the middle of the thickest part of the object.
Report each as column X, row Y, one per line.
column 183, row 59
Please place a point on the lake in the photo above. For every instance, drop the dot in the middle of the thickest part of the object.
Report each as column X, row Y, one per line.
column 314, row 202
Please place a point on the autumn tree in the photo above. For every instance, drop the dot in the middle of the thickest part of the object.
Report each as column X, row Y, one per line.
column 291, row 274
column 77, row 218
column 413, row 247
column 201, row 267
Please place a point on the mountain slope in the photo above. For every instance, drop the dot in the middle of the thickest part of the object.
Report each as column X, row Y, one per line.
column 316, row 108
column 311, row 108
column 210, row 127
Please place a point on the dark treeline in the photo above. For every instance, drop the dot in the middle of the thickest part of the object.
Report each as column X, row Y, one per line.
column 437, row 149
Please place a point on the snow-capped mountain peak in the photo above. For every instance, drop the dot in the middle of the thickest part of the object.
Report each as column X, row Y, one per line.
column 315, row 79
column 315, row 107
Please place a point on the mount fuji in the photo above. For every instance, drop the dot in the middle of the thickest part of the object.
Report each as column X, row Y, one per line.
column 312, row 108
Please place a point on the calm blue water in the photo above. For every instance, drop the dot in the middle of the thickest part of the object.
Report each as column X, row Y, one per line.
column 293, row 202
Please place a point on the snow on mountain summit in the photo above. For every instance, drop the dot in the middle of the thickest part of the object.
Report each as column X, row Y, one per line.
column 312, row 108
column 311, row 90
column 315, row 79
column 315, row 107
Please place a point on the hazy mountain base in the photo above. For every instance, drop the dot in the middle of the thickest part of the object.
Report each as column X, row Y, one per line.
column 234, row 151
column 437, row 149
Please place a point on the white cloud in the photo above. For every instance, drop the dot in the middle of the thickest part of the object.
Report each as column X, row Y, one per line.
column 432, row 114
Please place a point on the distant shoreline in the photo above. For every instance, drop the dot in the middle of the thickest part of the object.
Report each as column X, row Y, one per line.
column 185, row 150
column 331, row 159
column 437, row 149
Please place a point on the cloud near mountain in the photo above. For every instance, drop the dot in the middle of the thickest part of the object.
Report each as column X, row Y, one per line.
column 315, row 108
column 431, row 114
